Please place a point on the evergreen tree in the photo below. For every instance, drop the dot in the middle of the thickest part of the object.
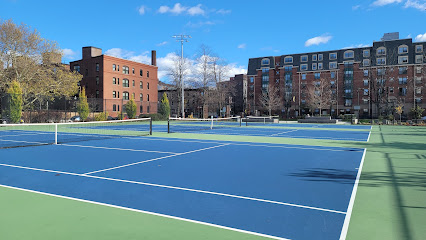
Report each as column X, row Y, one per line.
column 131, row 108
column 164, row 109
column 14, row 111
column 83, row 106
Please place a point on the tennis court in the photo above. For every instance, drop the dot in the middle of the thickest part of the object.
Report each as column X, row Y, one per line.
column 272, row 190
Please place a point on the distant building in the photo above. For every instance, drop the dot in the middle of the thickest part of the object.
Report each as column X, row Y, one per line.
column 193, row 101
column 112, row 81
column 368, row 81
column 236, row 91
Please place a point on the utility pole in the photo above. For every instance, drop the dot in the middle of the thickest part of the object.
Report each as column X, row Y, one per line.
column 182, row 39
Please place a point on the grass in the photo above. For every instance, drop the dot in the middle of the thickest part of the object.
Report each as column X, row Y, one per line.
column 390, row 202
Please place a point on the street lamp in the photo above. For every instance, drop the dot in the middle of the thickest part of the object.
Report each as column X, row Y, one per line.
column 182, row 39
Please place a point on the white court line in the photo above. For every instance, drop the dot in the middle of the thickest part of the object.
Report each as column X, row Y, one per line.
column 368, row 139
column 7, row 140
column 155, row 159
column 251, row 144
column 120, row 149
column 147, row 212
column 28, row 134
column 351, row 201
column 178, row 188
column 284, row 132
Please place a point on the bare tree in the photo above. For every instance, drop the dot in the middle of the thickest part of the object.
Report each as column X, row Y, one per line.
column 320, row 94
column 178, row 71
column 35, row 63
column 271, row 99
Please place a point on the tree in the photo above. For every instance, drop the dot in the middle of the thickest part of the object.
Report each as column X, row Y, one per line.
column 320, row 94
column 35, row 63
column 14, row 110
column 131, row 108
column 417, row 112
column 82, row 105
column 179, row 70
column 271, row 99
column 399, row 110
column 164, row 108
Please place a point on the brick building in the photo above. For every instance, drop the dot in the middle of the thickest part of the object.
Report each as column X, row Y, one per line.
column 368, row 81
column 112, row 81
column 236, row 91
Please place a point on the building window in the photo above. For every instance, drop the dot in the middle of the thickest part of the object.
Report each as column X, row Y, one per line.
column 314, row 66
column 147, row 97
column 125, row 69
column 314, row 57
column 141, row 73
column 77, row 68
column 133, row 95
column 402, row 70
column 391, row 90
column 402, row 80
column 402, row 49
column 251, row 79
column 365, row 81
column 332, row 56
column 288, row 60
column 114, row 94
column 265, row 70
column 118, row 81
column 365, row 73
column 349, row 54
column 141, row 97
column 402, row 91
column 320, row 66
column 381, row 61
column 332, row 65
column 366, row 53
column 133, row 83
column 332, row 75
column 114, row 108
column 418, row 90
column 381, row 72
column 141, row 109
column 147, row 85
column 133, row 71
column 418, row 69
column 97, row 80
column 366, row 62
column 403, row 59
column 320, row 57
column 97, row 93
column 118, row 67
column 141, row 85
column 288, row 68
column 419, row 58
column 419, row 48
column 304, row 58
column 381, row 51
column 317, row 75
column 147, row 74
column 304, row 67
column 114, row 67
column 365, row 91
column 126, row 95
column 147, row 109
column 125, row 83
column 348, row 102
column 118, row 96
column 114, row 81
column 303, row 76
column 265, row 61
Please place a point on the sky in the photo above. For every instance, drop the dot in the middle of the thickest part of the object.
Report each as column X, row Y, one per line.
column 234, row 30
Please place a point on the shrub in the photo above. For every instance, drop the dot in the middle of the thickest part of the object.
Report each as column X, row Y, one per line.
column 82, row 105
column 103, row 116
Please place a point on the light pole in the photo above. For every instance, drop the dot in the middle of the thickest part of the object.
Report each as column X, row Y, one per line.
column 182, row 39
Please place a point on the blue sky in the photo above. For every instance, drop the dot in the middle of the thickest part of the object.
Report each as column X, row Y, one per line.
column 234, row 30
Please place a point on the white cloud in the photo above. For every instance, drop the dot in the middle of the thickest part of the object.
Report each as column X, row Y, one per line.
column 358, row 46
column 318, row 40
column 416, row 4
column 142, row 10
column 380, row 3
column 421, row 38
column 177, row 9
column 234, row 69
column 68, row 53
column 356, row 7
column 223, row 11
column 162, row 43
column 242, row 46
column 196, row 10
column 129, row 55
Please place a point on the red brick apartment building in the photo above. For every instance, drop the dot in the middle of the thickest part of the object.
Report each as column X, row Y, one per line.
column 368, row 81
column 112, row 82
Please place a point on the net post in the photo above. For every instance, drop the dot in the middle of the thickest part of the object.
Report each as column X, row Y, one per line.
column 168, row 125
column 56, row 133
column 239, row 120
column 211, row 126
column 150, row 126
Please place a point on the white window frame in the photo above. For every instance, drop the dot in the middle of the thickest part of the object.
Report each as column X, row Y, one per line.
column 380, row 54
column 304, row 56
column 402, row 47
column 302, row 66
column 401, row 60
column 418, row 70
column 320, row 57
column 382, row 62
column 265, row 59
column 421, row 48
column 366, row 62
column 288, row 57
column 314, row 66
column 334, row 63
column 366, row 51
column 314, row 57
column 347, row 52
column 329, row 56
column 320, row 66
column 419, row 58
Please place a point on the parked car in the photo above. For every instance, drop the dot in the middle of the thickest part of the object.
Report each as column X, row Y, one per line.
column 75, row 119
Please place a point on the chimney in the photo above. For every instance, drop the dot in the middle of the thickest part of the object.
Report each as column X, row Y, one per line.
column 154, row 58
column 89, row 52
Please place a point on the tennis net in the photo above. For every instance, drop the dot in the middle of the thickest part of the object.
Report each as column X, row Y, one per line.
column 256, row 120
column 200, row 124
column 22, row 135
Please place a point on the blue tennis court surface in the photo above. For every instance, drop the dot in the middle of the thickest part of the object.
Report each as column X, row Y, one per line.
column 282, row 191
